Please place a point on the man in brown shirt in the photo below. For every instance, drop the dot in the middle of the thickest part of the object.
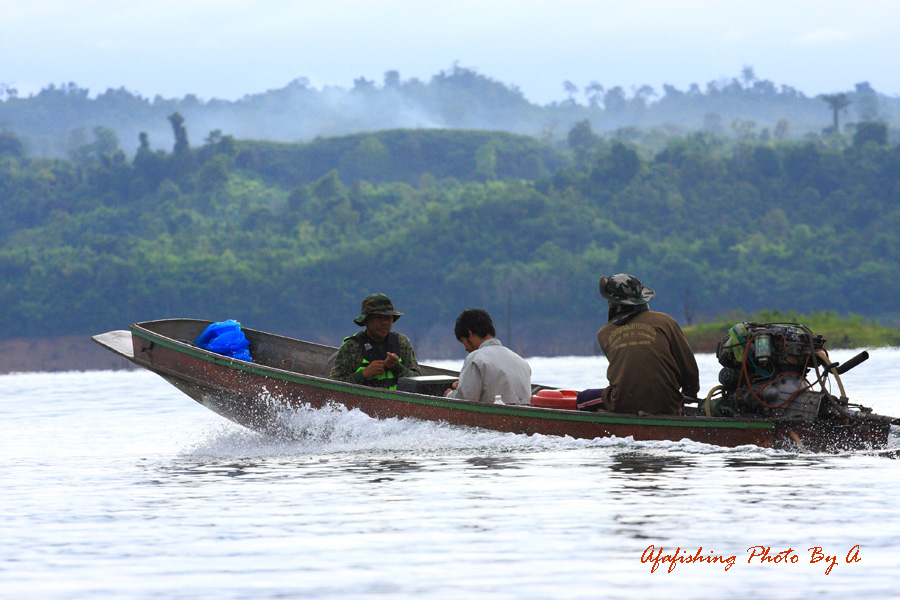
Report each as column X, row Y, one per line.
column 651, row 365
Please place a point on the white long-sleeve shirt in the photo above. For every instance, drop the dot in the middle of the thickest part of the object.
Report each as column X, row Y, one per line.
column 492, row 370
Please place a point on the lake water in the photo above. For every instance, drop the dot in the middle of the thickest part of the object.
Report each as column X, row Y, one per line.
column 115, row 485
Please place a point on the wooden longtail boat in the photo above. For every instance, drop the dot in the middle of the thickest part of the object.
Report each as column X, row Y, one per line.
column 289, row 374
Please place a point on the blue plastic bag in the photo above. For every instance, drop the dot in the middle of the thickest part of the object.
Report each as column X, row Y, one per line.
column 226, row 338
column 216, row 329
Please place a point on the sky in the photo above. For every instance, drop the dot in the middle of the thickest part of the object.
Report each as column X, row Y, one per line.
column 227, row 49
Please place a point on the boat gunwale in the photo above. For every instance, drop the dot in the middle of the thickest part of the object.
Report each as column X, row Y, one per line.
column 139, row 330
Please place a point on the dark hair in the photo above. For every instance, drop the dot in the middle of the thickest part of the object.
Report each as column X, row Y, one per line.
column 476, row 320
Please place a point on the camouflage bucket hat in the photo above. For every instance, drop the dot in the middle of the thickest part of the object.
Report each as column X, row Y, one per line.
column 376, row 304
column 625, row 289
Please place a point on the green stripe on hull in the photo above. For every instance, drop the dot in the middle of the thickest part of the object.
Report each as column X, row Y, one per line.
column 476, row 407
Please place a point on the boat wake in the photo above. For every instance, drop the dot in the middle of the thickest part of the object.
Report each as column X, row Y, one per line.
column 336, row 430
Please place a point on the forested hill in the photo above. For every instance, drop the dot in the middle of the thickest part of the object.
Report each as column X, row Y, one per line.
column 289, row 238
column 61, row 118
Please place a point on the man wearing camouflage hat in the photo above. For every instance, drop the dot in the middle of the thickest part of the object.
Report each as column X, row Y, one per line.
column 651, row 365
column 376, row 356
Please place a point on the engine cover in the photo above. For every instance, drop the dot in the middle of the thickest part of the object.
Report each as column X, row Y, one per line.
column 786, row 395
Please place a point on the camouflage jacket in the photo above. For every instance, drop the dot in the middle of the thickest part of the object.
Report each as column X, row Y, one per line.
column 350, row 358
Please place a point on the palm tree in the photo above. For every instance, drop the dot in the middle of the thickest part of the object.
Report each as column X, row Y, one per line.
column 837, row 102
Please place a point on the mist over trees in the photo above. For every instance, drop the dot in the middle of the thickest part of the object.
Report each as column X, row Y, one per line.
column 61, row 118
column 290, row 237
column 283, row 209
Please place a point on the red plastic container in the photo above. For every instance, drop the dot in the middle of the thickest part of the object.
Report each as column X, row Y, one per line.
column 564, row 399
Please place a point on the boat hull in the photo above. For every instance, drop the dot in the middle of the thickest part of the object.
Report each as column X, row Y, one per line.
column 257, row 394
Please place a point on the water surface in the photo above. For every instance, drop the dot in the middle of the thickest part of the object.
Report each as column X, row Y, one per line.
column 116, row 485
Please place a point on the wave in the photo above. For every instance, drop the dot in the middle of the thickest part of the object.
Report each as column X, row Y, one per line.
column 336, row 430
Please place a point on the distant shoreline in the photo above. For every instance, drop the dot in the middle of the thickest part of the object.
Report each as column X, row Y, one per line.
column 840, row 332
column 67, row 353
column 81, row 353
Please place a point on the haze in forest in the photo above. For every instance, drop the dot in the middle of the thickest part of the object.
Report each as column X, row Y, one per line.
column 226, row 50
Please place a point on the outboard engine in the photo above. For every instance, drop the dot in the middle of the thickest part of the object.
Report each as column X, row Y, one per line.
column 765, row 368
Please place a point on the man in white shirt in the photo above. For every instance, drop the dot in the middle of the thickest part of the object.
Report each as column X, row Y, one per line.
column 490, row 369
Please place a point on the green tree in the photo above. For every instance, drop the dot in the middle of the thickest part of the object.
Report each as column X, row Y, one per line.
column 837, row 103
column 594, row 94
column 867, row 104
column 180, row 132
column 614, row 100
column 486, row 161
column 781, row 129
column 213, row 175
column 617, row 168
column 370, row 160
column 10, row 145
column 582, row 141
column 104, row 146
column 870, row 132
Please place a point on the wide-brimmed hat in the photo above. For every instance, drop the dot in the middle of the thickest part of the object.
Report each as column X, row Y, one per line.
column 376, row 304
column 625, row 289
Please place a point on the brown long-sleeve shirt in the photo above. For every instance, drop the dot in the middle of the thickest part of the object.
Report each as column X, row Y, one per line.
column 651, row 365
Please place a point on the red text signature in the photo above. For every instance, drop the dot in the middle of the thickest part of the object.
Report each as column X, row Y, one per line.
column 758, row 554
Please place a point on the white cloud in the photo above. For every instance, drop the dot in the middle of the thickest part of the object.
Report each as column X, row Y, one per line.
column 734, row 35
column 824, row 36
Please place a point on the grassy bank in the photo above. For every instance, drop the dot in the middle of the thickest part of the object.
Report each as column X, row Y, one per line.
column 852, row 331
